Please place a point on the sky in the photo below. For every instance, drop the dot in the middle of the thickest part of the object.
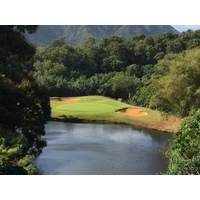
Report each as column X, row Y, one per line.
column 181, row 28
column 104, row 12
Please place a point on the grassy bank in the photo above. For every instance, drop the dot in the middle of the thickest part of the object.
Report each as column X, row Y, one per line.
column 102, row 109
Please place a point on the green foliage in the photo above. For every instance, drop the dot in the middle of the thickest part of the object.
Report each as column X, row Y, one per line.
column 31, row 170
column 184, row 155
column 25, row 161
column 4, row 160
column 16, row 151
column 134, row 69
column 124, row 85
column 143, row 96
column 178, row 87
column 9, row 97
column 58, row 42
column 12, row 159
column 92, row 69
column 24, row 105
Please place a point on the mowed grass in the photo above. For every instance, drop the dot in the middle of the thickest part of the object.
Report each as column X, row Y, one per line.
column 103, row 109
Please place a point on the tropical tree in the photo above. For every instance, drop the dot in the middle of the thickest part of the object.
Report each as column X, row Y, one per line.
column 124, row 85
column 24, row 106
column 178, row 86
column 58, row 42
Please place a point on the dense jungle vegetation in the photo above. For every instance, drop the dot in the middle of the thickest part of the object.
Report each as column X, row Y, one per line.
column 24, row 105
column 159, row 71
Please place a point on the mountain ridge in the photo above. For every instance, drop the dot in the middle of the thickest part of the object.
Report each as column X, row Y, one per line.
column 77, row 34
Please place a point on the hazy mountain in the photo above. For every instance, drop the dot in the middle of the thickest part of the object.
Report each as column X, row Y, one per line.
column 78, row 34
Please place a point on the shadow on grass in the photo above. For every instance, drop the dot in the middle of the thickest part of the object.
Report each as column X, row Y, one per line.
column 71, row 119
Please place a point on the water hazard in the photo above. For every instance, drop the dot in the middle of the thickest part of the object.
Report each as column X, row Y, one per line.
column 99, row 149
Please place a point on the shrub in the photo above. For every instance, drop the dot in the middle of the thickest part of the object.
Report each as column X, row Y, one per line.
column 184, row 155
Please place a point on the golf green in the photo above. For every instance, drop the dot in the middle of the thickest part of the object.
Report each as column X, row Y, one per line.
column 107, row 110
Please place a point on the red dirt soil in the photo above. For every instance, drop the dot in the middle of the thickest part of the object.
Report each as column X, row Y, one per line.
column 136, row 112
column 65, row 99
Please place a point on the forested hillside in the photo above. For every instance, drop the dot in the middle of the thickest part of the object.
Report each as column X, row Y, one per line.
column 76, row 34
column 130, row 69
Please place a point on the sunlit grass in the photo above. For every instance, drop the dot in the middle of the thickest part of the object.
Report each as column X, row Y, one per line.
column 99, row 108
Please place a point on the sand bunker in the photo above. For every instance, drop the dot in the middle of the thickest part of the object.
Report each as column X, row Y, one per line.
column 59, row 99
column 136, row 112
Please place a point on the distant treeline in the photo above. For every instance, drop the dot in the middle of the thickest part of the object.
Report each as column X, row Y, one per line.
column 158, row 71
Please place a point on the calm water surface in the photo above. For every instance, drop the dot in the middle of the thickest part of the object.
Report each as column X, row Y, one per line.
column 93, row 149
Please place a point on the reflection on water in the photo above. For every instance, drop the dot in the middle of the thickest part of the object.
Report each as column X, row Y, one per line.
column 102, row 149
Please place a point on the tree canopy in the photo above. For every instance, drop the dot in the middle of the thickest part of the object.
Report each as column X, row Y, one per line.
column 24, row 105
column 71, row 71
column 178, row 86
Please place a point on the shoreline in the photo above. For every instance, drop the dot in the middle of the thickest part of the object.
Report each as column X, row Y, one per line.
column 164, row 125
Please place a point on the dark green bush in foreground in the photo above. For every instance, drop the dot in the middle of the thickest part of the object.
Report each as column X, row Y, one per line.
column 184, row 155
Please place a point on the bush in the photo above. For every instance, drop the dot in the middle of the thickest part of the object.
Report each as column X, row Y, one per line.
column 32, row 170
column 184, row 155
column 16, row 151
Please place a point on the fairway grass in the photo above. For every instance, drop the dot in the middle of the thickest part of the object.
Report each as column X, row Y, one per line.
column 102, row 109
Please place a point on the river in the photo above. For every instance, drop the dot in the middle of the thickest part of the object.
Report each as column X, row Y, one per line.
column 102, row 149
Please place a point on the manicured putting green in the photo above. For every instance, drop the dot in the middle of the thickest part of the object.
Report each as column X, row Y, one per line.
column 103, row 109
